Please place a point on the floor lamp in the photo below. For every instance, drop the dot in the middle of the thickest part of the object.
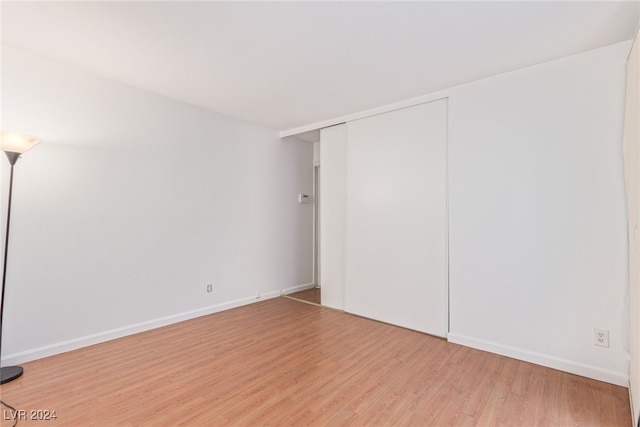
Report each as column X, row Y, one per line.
column 13, row 144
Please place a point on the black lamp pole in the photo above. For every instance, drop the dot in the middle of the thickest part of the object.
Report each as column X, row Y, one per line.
column 8, row 373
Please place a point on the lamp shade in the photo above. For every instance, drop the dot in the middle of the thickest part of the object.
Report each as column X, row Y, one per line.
column 16, row 142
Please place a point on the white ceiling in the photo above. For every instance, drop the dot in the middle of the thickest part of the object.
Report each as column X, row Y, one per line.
column 285, row 65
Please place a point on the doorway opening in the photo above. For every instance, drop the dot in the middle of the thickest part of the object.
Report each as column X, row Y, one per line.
column 312, row 295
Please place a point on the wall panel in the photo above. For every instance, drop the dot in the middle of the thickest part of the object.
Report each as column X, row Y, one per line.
column 333, row 158
column 632, row 181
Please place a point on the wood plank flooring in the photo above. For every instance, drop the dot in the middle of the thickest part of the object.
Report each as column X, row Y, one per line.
column 282, row 362
column 309, row 295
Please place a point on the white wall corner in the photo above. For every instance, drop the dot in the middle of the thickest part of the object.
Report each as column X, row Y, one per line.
column 298, row 288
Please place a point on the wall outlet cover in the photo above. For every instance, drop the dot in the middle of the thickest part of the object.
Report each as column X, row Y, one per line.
column 601, row 337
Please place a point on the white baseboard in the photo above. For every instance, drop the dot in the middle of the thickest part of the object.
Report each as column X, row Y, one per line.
column 298, row 288
column 600, row 374
column 76, row 343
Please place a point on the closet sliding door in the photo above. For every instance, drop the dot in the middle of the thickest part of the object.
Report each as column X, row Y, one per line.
column 396, row 233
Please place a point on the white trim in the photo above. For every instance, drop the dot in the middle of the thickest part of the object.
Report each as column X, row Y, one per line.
column 316, row 225
column 594, row 372
column 298, row 288
column 447, row 301
column 367, row 113
column 76, row 343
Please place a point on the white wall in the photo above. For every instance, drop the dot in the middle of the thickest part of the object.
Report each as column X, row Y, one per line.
column 316, row 153
column 537, row 213
column 632, row 182
column 133, row 203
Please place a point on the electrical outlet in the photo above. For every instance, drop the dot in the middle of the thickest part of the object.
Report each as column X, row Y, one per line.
column 601, row 337
column 209, row 288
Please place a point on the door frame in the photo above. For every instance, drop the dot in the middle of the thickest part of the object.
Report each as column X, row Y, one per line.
column 316, row 225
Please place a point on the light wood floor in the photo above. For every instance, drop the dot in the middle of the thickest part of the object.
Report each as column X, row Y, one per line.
column 282, row 362
column 310, row 295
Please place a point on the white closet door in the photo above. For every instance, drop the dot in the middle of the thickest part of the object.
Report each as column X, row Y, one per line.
column 333, row 161
column 396, row 264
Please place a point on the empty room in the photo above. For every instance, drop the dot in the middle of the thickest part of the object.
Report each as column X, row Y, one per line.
column 296, row 213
